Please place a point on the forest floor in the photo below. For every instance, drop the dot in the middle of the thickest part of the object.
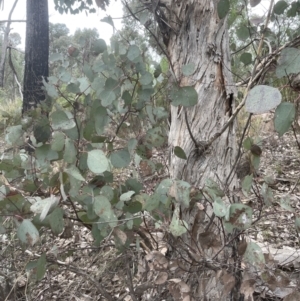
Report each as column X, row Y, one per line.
column 82, row 270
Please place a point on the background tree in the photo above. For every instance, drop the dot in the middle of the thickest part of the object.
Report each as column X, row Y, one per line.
column 5, row 45
column 36, row 53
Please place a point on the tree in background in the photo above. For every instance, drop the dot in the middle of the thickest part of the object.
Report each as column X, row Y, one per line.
column 5, row 44
column 36, row 53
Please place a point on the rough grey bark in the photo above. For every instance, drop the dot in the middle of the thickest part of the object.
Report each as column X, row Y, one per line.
column 193, row 33
column 202, row 39
column 36, row 53
column 5, row 45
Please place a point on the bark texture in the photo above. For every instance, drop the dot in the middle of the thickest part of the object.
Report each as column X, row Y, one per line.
column 36, row 53
column 202, row 39
column 193, row 33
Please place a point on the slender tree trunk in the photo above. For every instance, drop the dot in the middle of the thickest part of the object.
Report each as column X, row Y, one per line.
column 5, row 45
column 36, row 53
column 198, row 36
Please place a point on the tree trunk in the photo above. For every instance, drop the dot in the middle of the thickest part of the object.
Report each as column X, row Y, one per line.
column 36, row 53
column 5, row 44
column 198, row 36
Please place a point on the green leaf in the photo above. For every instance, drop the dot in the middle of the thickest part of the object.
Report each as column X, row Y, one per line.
column 64, row 75
column 84, row 85
column 247, row 143
column 280, row 7
column 243, row 32
column 70, row 152
column 223, row 8
column 102, row 208
column 127, row 98
column 154, row 137
column 146, row 78
column 246, row 58
column 42, row 130
column 284, row 117
column 180, row 190
column 101, row 120
column 41, row 267
column 152, row 202
column 28, row 233
column 56, row 57
column 108, row 20
column 133, row 207
column 58, row 141
column 177, row 226
column 254, row 255
column 179, row 152
column 50, row 89
column 163, row 190
column 253, row 3
column 56, row 219
column 247, row 184
column 213, row 189
column 45, row 154
column 262, row 99
column 73, row 88
column 13, row 135
column 133, row 53
column 107, row 97
column 98, row 46
column 74, row 172
column 288, row 63
column 157, row 72
column 188, row 69
column 126, row 196
column 185, row 96
column 133, row 184
column 61, row 121
column 88, row 71
column 97, row 161
column 219, row 207
column 120, row 158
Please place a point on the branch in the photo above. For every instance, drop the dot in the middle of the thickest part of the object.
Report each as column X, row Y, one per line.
column 4, row 21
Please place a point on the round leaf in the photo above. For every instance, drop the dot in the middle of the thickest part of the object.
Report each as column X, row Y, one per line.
column 27, row 232
column 289, row 62
column 120, row 158
column 243, row 32
column 262, row 99
column 280, row 7
column 97, row 161
column 188, row 69
column 246, row 58
column 184, row 96
column 133, row 53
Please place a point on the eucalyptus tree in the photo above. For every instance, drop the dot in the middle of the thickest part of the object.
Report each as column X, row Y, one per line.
column 203, row 253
